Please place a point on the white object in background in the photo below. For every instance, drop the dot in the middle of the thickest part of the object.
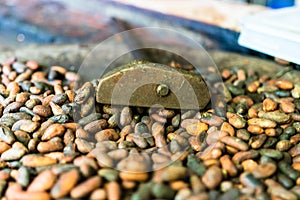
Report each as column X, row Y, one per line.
column 274, row 32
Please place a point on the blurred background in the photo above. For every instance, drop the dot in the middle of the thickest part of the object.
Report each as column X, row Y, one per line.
column 215, row 23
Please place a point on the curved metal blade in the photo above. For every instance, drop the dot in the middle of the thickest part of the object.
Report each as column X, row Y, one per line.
column 146, row 84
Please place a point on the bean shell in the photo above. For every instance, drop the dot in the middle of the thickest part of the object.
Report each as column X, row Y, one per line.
column 287, row 107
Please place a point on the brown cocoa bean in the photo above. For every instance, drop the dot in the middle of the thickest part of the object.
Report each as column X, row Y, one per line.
column 186, row 122
column 269, row 105
column 235, row 120
column 278, row 117
column 228, row 165
column 14, row 191
column 257, row 141
column 235, row 142
column 255, row 129
column 277, row 190
column 228, row 128
column 126, row 116
column 244, row 155
column 287, row 106
column 128, row 176
column 158, row 134
column 264, row 123
column 249, row 165
column 173, row 173
column 98, row 194
column 42, row 182
column 72, row 76
column 31, row 64
column 4, row 147
column 15, row 153
column 96, row 126
column 85, row 188
column 212, row 177
column 107, row 134
column 53, row 130
column 215, row 136
column 43, row 111
column 13, row 107
column 36, row 160
column 113, row 190
column 264, row 170
column 25, row 125
column 65, row 183
column 295, row 150
column 54, row 144
column 284, row 84
column 84, row 146
column 283, row 145
column 196, row 129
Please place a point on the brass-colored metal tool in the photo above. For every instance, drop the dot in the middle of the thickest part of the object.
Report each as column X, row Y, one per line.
column 148, row 84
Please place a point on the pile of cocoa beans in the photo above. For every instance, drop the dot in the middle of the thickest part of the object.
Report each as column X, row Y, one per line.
column 57, row 142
